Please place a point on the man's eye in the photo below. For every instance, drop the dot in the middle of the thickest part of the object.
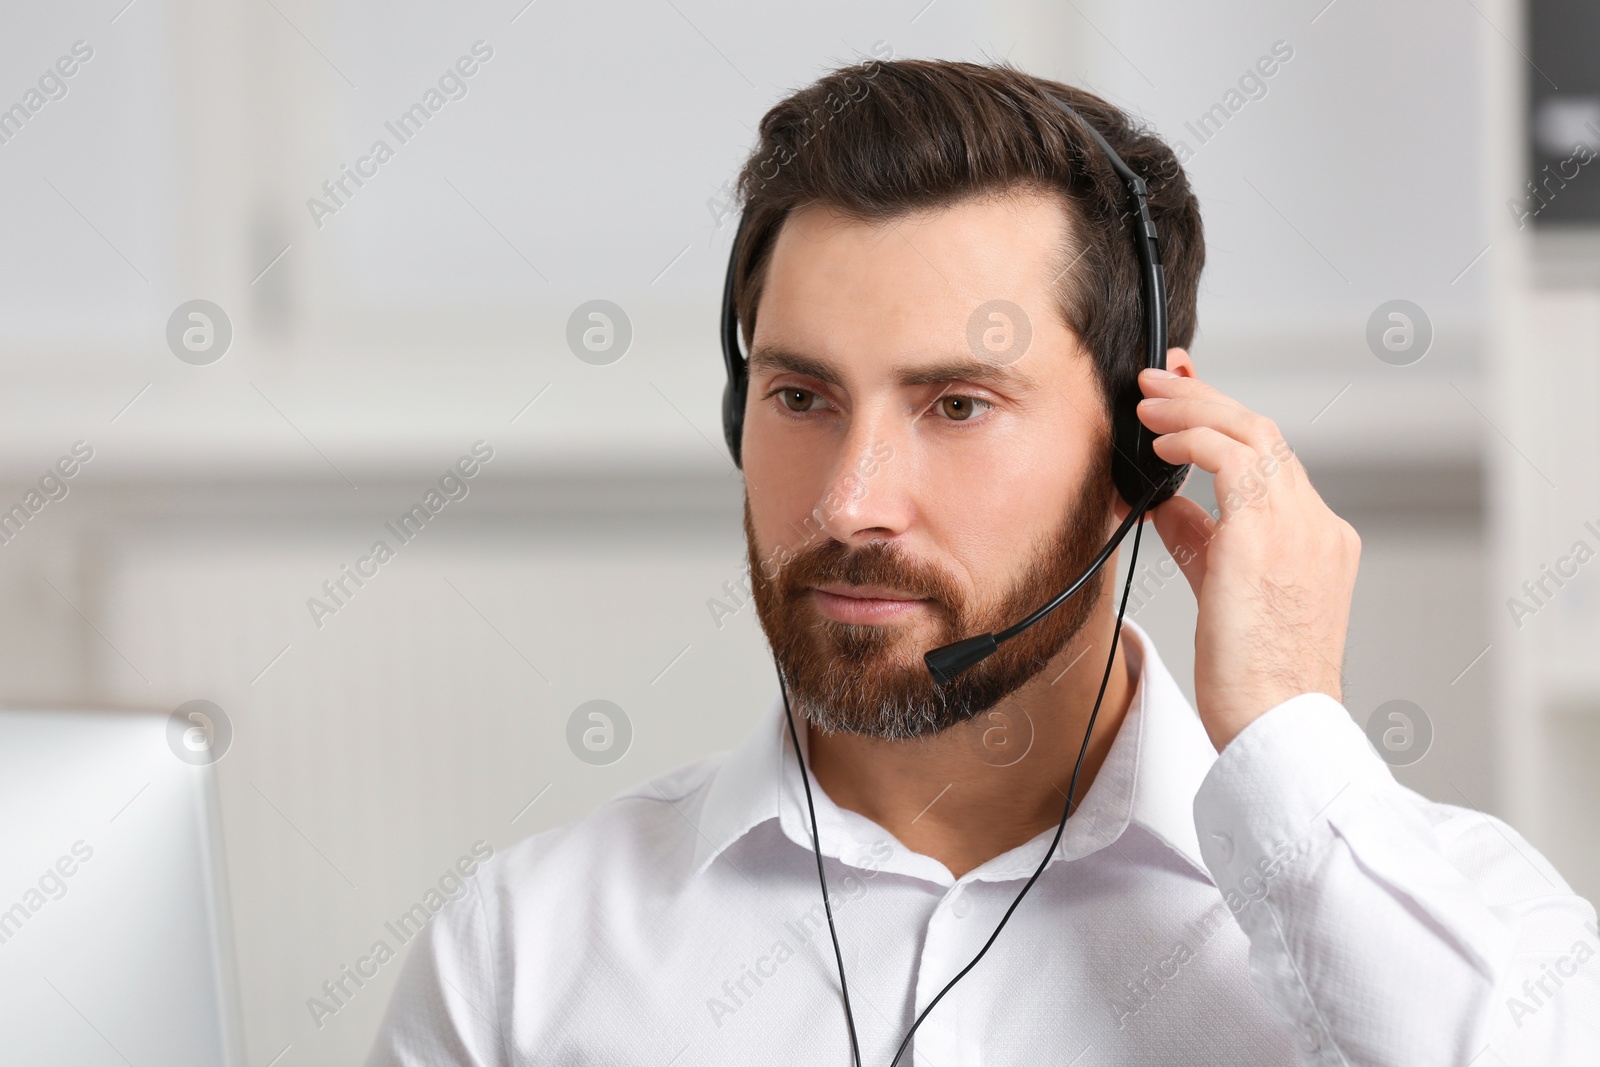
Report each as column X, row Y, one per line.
column 801, row 400
column 961, row 408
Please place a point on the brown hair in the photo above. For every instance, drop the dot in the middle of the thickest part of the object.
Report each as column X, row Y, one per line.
column 879, row 139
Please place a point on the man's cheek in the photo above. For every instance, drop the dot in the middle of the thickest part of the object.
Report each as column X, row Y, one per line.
column 775, row 563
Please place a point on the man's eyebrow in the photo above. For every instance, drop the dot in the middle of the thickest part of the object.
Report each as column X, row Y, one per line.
column 965, row 370
column 776, row 358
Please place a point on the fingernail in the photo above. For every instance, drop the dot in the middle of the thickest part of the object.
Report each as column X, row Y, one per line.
column 1153, row 400
column 1159, row 372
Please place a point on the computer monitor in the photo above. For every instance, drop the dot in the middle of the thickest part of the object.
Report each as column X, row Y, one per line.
column 114, row 934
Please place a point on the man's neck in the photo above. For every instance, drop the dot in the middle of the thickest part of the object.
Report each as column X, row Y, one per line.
column 963, row 802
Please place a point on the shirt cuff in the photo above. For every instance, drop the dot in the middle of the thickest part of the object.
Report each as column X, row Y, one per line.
column 1265, row 794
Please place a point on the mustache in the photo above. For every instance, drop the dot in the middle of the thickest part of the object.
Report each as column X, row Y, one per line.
column 881, row 563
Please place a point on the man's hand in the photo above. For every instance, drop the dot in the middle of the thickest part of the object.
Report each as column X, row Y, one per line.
column 1273, row 574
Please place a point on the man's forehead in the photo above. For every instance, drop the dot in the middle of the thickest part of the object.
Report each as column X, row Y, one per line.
column 940, row 295
column 1018, row 239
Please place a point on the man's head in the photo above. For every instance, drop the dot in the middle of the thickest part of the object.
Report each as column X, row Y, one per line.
column 908, row 226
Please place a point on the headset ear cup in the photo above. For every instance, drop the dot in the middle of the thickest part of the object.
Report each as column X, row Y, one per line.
column 1135, row 467
column 733, row 394
column 737, row 367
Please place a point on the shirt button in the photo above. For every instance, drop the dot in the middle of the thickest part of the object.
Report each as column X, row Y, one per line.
column 961, row 906
column 1225, row 841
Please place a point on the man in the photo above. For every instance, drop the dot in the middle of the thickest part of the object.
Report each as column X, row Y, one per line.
column 1239, row 883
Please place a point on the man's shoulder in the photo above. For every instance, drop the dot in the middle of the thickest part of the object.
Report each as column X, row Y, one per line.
column 651, row 826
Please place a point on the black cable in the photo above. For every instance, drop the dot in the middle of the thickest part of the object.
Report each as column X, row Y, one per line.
column 816, row 848
column 1072, row 789
column 1135, row 516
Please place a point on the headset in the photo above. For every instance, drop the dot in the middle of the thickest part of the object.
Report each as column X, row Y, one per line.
column 1142, row 478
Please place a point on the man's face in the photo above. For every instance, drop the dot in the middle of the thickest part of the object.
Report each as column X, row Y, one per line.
column 912, row 476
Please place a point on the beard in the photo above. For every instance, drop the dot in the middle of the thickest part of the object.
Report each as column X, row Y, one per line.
column 871, row 680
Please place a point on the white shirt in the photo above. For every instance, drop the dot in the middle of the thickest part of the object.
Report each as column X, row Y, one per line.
column 1286, row 902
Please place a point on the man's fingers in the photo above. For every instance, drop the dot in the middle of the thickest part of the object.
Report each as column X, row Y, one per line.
column 1153, row 384
column 1186, row 529
column 1169, row 415
column 1208, row 449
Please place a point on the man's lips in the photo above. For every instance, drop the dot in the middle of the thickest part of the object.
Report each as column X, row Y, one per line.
column 865, row 603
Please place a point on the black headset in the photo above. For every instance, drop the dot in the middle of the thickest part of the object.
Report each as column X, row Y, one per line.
column 1141, row 477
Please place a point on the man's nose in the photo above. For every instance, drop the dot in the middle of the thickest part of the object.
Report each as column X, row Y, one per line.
column 866, row 498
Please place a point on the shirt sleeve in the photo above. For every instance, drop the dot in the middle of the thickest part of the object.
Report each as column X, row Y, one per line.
column 445, row 1009
column 1384, row 928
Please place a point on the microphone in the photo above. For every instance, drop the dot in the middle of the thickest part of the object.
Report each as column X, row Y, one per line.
column 947, row 661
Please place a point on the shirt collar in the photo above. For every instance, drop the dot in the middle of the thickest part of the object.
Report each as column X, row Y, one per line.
column 1159, row 758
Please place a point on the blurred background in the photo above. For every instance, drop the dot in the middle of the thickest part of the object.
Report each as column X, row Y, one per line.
column 254, row 339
